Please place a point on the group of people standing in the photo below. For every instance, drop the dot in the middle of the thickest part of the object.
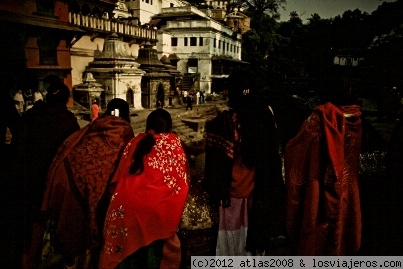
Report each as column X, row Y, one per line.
column 315, row 206
column 95, row 197
column 243, row 172
column 104, row 197
column 24, row 100
column 189, row 98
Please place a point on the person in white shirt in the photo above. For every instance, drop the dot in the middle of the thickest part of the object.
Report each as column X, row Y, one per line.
column 198, row 97
column 185, row 95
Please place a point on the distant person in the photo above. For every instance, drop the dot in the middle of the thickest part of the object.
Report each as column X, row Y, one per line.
column 28, row 99
column 202, row 100
column 189, row 101
column 154, row 167
column 185, row 96
column 198, row 98
column 42, row 130
column 19, row 101
column 9, row 119
column 37, row 96
column 76, row 196
column 9, row 116
column 160, row 101
column 243, row 172
column 95, row 110
column 322, row 178
column 179, row 94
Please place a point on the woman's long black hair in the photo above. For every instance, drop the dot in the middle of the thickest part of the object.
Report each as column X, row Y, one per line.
column 158, row 121
column 121, row 105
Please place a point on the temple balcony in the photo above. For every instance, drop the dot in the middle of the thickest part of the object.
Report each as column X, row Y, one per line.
column 94, row 26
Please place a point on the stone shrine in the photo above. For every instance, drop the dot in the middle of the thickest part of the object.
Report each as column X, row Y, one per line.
column 87, row 92
column 170, row 63
column 157, row 84
column 118, row 72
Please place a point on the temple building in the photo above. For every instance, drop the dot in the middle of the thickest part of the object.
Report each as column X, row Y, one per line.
column 62, row 40
column 98, row 20
column 209, row 50
column 35, row 44
column 157, row 83
column 118, row 71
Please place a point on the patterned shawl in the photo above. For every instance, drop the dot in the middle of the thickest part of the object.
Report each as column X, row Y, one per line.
column 321, row 169
column 77, row 182
column 146, row 207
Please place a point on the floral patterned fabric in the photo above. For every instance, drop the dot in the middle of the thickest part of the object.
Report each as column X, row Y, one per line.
column 145, row 207
column 77, row 182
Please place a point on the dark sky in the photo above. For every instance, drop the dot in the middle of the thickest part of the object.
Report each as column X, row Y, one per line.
column 327, row 8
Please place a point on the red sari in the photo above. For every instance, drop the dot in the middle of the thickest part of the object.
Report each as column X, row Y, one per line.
column 78, row 179
column 146, row 207
column 322, row 166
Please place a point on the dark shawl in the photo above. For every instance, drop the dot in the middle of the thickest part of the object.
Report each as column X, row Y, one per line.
column 267, row 215
column 76, row 186
column 42, row 130
column 220, row 146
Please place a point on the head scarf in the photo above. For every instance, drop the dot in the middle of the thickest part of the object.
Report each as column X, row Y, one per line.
column 145, row 207
column 119, row 108
column 78, row 178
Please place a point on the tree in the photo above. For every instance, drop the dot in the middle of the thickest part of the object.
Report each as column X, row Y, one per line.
column 351, row 30
column 258, row 8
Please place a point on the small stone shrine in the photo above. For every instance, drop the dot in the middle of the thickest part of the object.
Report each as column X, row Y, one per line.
column 87, row 92
column 157, row 84
column 171, row 66
column 118, row 72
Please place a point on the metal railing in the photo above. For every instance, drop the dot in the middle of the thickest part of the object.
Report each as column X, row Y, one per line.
column 112, row 25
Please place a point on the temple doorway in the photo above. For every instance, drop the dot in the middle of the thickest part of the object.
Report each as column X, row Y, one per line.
column 160, row 96
column 130, row 97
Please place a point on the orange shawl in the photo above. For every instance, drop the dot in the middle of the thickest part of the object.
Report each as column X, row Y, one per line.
column 146, row 207
column 321, row 170
column 78, row 178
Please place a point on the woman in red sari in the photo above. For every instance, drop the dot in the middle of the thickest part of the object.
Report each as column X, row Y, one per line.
column 76, row 196
column 148, row 199
column 321, row 172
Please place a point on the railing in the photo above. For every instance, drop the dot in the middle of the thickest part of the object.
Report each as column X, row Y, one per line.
column 111, row 25
column 203, row 23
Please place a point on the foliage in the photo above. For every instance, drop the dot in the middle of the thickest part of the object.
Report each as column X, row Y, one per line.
column 257, row 9
column 280, row 51
column 258, row 47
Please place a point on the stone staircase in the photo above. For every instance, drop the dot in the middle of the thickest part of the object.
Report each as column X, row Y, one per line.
column 189, row 81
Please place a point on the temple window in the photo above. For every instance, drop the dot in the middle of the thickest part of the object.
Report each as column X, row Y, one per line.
column 47, row 49
column 174, row 41
column 193, row 41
